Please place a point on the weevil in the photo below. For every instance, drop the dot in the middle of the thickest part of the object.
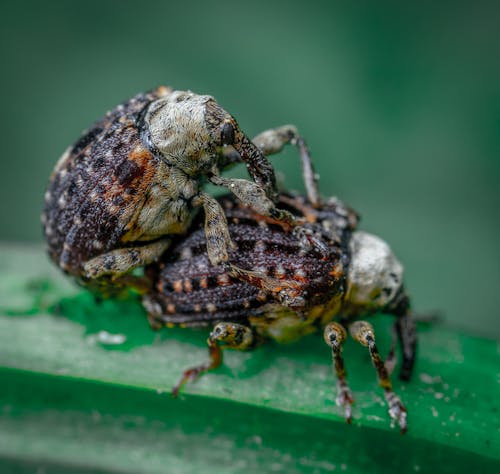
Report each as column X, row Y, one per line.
column 288, row 291
column 131, row 182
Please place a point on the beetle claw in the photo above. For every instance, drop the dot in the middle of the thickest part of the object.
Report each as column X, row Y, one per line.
column 397, row 411
column 345, row 399
column 189, row 375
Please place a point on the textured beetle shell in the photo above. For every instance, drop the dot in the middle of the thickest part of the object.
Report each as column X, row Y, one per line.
column 97, row 185
column 189, row 291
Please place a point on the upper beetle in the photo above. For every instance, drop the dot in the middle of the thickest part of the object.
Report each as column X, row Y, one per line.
column 131, row 181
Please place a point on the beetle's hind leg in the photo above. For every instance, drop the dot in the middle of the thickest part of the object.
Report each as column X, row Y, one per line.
column 273, row 140
column 224, row 335
column 120, row 261
column 335, row 335
column 363, row 332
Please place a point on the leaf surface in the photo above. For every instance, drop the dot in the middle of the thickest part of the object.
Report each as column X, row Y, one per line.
column 86, row 388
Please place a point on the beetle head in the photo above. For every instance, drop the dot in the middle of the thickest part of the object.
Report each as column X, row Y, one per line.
column 175, row 126
column 375, row 274
column 190, row 131
column 225, row 131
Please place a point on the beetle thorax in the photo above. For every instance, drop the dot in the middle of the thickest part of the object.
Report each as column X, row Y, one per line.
column 177, row 127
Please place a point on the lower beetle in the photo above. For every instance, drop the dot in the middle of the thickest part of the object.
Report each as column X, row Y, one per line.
column 288, row 290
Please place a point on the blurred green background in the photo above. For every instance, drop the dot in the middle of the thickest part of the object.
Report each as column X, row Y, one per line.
column 400, row 105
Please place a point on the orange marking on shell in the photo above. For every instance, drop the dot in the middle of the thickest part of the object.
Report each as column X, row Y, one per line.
column 300, row 276
column 163, row 91
column 141, row 156
column 223, row 280
column 137, row 173
column 188, row 287
column 265, row 220
column 336, row 272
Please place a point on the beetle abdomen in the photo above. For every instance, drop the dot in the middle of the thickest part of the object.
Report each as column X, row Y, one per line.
column 193, row 292
column 96, row 186
column 188, row 290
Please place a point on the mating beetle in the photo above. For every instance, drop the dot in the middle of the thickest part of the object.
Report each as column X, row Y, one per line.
column 131, row 181
column 287, row 290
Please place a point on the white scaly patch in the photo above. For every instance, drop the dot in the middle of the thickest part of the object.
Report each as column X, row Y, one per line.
column 375, row 274
column 61, row 163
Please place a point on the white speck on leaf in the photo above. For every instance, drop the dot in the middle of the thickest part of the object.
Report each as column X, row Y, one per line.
column 106, row 338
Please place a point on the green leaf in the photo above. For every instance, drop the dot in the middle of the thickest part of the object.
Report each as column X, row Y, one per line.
column 85, row 388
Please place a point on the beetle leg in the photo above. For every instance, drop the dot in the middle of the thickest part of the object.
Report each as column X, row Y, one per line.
column 363, row 332
column 406, row 332
column 391, row 359
column 302, row 206
column 273, row 140
column 216, row 229
column 120, row 261
column 288, row 292
column 253, row 196
column 258, row 166
column 334, row 336
column 224, row 335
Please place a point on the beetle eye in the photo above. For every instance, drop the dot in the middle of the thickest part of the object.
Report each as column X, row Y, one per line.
column 227, row 134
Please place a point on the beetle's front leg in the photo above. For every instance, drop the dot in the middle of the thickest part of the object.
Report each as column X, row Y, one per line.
column 120, row 261
column 363, row 332
column 224, row 335
column 216, row 229
column 253, row 195
column 406, row 331
column 273, row 140
column 334, row 336
column 258, row 165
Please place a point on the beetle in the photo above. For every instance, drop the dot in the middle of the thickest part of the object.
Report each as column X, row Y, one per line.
column 287, row 290
column 131, row 182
